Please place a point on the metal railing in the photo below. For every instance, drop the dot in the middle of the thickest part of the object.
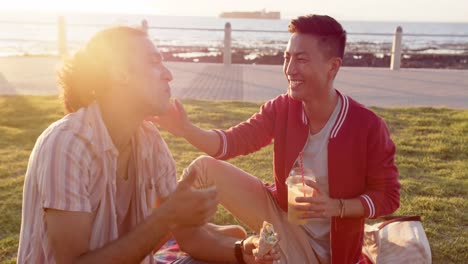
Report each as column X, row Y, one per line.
column 395, row 53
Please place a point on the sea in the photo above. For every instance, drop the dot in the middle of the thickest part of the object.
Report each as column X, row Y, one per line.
column 29, row 34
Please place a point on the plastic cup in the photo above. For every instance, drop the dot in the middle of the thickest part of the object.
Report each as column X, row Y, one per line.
column 296, row 188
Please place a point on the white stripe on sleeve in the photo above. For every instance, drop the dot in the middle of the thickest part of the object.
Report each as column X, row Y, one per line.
column 224, row 143
column 370, row 204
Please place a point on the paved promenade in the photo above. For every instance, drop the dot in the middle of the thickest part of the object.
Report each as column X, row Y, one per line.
column 258, row 83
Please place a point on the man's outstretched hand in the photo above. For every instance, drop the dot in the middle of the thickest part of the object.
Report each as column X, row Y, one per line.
column 175, row 120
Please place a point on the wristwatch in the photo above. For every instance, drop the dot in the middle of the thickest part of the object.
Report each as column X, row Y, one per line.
column 238, row 251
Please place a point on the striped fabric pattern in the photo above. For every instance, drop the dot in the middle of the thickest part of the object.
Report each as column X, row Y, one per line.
column 341, row 117
column 73, row 168
column 370, row 204
column 223, row 143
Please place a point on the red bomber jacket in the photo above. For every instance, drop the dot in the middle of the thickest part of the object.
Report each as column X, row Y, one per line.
column 360, row 161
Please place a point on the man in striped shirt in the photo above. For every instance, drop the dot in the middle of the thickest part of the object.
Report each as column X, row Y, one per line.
column 95, row 175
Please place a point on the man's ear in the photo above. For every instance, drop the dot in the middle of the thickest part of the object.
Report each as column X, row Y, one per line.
column 334, row 66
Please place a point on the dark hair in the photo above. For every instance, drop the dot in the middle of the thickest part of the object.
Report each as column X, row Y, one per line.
column 85, row 74
column 332, row 37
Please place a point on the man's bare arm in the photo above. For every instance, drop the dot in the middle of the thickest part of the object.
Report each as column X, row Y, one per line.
column 69, row 232
column 177, row 123
column 69, row 235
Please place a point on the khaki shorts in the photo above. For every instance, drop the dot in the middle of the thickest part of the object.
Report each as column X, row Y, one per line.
column 247, row 198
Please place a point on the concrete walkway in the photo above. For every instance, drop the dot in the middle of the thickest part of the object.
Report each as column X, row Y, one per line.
column 258, row 83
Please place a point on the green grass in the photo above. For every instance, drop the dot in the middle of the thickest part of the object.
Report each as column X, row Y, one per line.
column 432, row 156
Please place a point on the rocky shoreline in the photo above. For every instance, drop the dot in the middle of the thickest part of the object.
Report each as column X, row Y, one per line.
column 352, row 59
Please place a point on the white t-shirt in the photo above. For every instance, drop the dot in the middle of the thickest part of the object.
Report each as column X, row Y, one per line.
column 315, row 158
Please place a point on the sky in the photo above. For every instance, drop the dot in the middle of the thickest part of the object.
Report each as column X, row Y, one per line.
column 377, row 10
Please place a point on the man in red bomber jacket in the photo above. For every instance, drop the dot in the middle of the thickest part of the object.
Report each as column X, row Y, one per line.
column 346, row 145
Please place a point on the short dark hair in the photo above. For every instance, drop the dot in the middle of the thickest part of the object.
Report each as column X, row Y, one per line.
column 85, row 75
column 332, row 37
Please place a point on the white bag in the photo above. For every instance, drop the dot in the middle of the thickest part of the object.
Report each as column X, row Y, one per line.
column 398, row 239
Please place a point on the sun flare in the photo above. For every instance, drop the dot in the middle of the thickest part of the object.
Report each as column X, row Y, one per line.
column 87, row 6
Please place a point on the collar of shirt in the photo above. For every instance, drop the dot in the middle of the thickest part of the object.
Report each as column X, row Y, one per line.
column 92, row 128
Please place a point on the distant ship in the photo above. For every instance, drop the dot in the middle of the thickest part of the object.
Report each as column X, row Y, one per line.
column 256, row 14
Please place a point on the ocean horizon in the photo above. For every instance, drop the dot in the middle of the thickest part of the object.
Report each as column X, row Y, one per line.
column 36, row 34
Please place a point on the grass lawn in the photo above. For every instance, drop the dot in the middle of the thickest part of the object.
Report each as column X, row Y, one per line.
column 432, row 155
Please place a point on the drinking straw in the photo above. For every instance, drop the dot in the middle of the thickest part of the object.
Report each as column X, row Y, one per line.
column 301, row 164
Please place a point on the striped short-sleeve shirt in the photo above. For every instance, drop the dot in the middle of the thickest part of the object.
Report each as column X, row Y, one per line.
column 73, row 168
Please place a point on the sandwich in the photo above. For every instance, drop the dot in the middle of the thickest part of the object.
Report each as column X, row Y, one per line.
column 268, row 239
